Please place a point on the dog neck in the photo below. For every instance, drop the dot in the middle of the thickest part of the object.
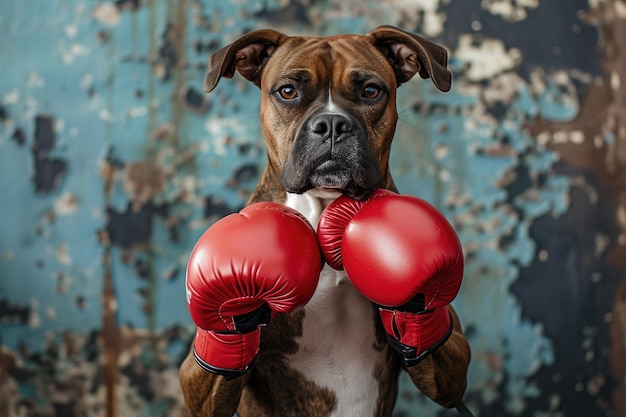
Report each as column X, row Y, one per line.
column 312, row 203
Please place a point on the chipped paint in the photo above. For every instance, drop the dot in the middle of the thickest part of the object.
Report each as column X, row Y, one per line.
column 511, row 10
column 114, row 161
column 485, row 58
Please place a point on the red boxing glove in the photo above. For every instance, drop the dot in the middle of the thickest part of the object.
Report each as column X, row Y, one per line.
column 401, row 253
column 243, row 269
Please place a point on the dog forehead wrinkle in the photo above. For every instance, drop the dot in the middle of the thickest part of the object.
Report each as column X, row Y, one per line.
column 323, row 52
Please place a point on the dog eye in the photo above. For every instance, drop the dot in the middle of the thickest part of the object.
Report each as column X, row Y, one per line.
column 288, row 92
column 371, row 92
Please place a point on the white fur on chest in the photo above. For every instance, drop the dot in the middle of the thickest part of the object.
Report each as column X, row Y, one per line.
column 336, row 350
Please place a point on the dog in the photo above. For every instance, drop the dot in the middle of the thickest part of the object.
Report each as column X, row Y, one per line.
column 328, row 116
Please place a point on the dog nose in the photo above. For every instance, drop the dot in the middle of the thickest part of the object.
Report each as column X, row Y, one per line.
column 331, row 127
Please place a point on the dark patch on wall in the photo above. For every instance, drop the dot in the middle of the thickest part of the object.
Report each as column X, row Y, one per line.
column 48, row 171
column 216, row 208
column 516, row 182
column 553, row 36
column 520, row 181
column 45, row 138
column 10, row 365
column 498, row 109
column 81, row 302
column 244, row 173
column 168, row 55
column 569, row 287
column 66, row 410
column 142, row 267
column 244, row 148
column 494, row 408
column 132, row 4
column 91, row 350
column 14, row 313
column 196, row 101
column 202, row 47
column 102, row 36
column 112, row 159
column 19, row 136
column 295, row 12
column 140, row 378
column 133, row 227
column 426, row 109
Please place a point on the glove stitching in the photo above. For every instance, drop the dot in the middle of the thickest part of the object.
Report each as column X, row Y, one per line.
column 432, row 300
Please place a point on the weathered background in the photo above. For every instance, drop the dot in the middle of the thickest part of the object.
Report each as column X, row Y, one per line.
column 113, row 161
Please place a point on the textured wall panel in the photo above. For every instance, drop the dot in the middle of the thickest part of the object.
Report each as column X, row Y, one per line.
column 113, row 161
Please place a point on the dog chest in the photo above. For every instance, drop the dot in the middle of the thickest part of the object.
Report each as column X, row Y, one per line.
column 337, row 348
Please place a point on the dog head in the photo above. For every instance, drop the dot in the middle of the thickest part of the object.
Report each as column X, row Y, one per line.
column 328, row 104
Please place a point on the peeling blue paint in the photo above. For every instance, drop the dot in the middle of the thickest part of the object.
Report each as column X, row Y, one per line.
column 133, row 139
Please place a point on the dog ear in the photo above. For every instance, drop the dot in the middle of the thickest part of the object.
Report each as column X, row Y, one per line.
column 410, row 54
column 247, row 55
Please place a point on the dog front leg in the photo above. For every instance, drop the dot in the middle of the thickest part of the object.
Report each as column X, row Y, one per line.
column 207, row 394
column 442, row 376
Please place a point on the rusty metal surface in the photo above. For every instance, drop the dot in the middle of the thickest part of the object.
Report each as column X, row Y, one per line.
column 113, row 161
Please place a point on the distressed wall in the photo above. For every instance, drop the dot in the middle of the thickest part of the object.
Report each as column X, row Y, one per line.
column 113, row 161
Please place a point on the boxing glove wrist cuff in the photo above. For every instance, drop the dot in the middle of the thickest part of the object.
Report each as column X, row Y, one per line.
column 416, row 336
column 228, row 374
column 227, row 354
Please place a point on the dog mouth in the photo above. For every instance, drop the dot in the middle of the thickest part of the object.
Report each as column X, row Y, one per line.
column 330, row 174
column 334, row 177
